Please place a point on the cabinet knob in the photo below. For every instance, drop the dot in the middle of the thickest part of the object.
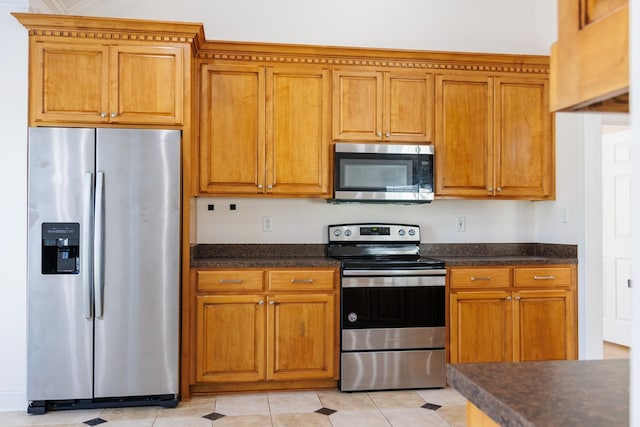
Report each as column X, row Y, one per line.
column 114, row 115
column 508, row 298
column 272, row 302
column 260, row 302
column 499, row 189
column 103, row 115
column 378, row 134
column 517, row 297
column 260, row 186
column 490, row 189
column 388, row 134
column 269, row 186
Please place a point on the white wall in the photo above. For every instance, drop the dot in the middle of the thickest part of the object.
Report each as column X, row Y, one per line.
column 13, row 206
column 501, row 26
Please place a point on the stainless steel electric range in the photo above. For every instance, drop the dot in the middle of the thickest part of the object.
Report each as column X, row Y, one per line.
column 392, row 308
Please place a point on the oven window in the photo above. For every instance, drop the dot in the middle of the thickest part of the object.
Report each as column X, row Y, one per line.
column 393, row 307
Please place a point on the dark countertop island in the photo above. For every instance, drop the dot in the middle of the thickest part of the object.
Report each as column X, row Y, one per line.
column 568, row 393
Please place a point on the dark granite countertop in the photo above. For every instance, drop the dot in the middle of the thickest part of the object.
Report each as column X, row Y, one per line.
column 314, row 255
column 261, row 256
column 568, row 393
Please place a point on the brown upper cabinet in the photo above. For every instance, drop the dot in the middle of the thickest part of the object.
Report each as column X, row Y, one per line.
column 493, row 137
column 264, row 130
column 104, row 71
column 590, row 60
column 394, row 106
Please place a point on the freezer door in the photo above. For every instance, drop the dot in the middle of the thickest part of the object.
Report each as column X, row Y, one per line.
column 137, row 299
column 59, row 323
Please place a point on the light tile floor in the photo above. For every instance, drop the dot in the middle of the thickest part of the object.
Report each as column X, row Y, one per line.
column 331, row 408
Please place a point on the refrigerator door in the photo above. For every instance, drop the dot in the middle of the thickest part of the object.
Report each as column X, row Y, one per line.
column 59, row 322
column 137, row 294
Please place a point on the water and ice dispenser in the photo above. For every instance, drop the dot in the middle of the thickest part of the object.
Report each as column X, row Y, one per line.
column 60, row 248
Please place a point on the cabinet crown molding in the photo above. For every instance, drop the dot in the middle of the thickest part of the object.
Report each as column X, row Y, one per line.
column 117, row 29
column 332, row 56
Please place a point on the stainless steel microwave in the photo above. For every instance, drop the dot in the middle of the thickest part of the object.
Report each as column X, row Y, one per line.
column 383, row 173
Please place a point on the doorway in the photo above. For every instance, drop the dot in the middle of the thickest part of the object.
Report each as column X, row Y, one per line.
column 616, row 234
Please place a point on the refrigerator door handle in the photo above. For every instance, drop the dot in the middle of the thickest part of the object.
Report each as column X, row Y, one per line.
column 98, row 245
column 86, row 262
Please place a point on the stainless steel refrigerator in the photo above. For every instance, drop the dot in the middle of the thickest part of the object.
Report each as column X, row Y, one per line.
column 103, row 268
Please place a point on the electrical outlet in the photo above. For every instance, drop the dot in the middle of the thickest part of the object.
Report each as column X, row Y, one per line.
column 564, row 217
column 267, row 223
column 460, row 223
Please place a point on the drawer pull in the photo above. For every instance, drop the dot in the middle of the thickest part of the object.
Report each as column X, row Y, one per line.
column 301, row 280
column 544, row 277
column 227, row 281
column 473, row 278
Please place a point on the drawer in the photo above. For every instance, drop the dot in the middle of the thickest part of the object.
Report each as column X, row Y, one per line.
column 299, row 280
column 480, row 277
column 230, row 280
column 543, row 277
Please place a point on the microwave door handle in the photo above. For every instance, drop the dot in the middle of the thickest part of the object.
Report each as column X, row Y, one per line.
column 98, row 245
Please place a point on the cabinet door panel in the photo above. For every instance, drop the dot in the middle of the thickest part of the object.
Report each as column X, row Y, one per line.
column 480, row 277
column 543, row 277
column 300, row 339
column 545, row 326
column 409, row 99
column 230, row 280
column 69, row 82
column 297, row 131
column 524, row 137
column 357, row 106
column 301, row 280
column 464, row 136
column 230, row 338
column 232, row 130
column 148, row 84
column 480, row 327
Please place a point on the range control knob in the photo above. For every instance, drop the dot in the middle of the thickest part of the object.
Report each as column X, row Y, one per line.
column 347, row 232
column 336, row 233
column 401, row 232
column 412, row 232
column 352, row 317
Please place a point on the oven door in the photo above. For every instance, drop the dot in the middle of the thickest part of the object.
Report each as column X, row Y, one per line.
column 393, row 312
column 381, row 172
column 415, row 300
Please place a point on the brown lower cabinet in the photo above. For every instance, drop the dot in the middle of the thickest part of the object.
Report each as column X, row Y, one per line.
column 513, row 313
column 256, row 329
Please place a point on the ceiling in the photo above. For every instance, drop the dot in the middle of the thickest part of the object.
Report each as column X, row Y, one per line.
column 80, row 7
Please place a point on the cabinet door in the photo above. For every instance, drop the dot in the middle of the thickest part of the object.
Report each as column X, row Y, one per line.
column 464, row 136
column 544, row 324
column 232, row 130
column 409, row 104
column 480, row 328
column 301, row 337
column 523, row 137
column 230, row 340
column 147, row 84
column 302, row 280
column 68, row 82
column 297, row 131
column 357, row 106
